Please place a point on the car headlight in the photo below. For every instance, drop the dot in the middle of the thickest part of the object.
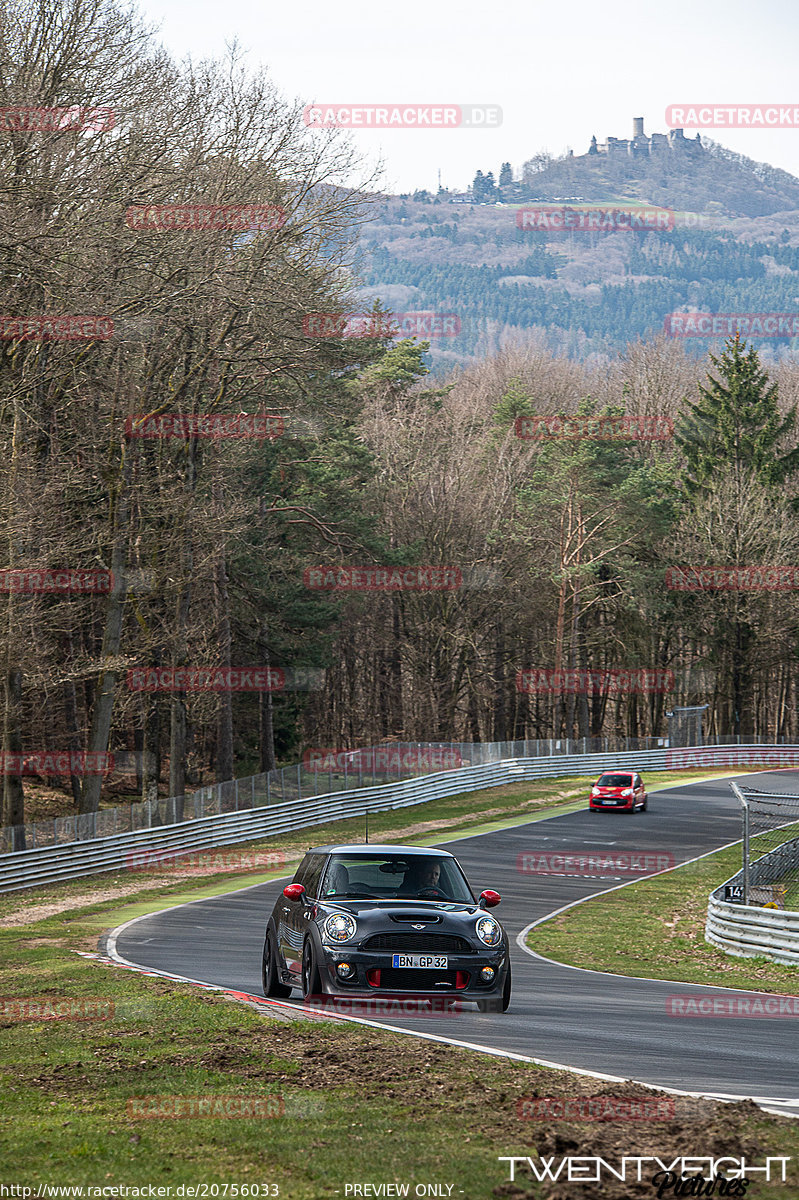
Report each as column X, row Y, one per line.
column 339, row 928
column 488, row 931
column 627, row 792
column 594, row 791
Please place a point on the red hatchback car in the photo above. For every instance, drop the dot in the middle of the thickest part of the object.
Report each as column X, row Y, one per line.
column 622, row 790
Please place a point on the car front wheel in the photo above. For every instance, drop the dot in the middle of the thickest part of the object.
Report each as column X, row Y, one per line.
column 311, row 979
column 269, row 977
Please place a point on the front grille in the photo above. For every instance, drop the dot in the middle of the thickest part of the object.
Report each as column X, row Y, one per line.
column 418, row 943
column 414, row 981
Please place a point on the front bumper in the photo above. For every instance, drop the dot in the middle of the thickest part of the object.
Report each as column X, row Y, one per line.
column 461, row 979
column 597, row 805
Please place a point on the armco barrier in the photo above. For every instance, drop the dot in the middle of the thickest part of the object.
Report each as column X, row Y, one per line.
column 749, row 931
column 29, row 868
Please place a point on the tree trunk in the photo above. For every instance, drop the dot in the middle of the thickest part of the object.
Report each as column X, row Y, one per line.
column 112, row 638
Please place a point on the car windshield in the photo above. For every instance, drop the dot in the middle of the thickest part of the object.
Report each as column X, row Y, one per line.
column 623, row 781
column 394, row 876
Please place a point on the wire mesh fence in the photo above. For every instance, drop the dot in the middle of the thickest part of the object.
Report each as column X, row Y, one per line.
column 320, row 773
column 770, row 872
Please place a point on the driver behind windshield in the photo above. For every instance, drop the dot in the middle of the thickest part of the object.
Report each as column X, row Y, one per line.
column 423, row 877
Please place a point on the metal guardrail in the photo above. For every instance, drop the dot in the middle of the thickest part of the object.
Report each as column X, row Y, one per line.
column 322, row 774
column 748, row 931
column 29, row 868
column 745, row 928
column 52, row 864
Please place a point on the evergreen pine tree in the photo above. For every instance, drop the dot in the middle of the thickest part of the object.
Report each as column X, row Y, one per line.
column 505, row 175
column 736, row 424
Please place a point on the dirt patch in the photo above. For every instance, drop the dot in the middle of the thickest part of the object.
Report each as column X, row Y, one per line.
column 499, row 1099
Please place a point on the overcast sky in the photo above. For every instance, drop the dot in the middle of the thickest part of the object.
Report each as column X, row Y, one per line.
column 560, row 71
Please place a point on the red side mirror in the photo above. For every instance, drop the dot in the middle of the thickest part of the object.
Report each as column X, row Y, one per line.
column 294, row 891
column 489, row 899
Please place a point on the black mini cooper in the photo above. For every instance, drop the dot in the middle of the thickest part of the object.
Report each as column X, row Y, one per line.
column 386, row 920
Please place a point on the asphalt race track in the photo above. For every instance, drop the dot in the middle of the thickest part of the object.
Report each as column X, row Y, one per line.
column 603, row 1024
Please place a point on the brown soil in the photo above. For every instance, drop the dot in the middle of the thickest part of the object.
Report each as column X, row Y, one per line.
column 486, row 1093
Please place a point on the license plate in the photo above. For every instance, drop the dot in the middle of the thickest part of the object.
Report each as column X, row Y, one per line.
column 434, row 962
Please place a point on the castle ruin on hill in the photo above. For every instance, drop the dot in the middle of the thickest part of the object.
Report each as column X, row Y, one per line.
column 642, row 145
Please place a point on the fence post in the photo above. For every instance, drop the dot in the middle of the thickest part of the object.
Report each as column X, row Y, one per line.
column 745, row 839
column 268, row 789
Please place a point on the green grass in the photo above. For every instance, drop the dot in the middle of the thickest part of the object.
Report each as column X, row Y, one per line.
column 655, row 928
column 353, row 1104
column 360, row 1105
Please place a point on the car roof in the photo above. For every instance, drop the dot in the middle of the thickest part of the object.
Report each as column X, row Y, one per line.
column 619, row 771
column 377, row 848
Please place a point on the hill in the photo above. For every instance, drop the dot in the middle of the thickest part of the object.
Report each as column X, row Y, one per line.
column 733, row 247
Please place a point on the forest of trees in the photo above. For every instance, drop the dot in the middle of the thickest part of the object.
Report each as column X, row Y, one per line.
column 664, row 273
column 561, row 546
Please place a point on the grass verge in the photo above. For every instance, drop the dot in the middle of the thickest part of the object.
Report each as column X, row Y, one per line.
column 351, row 1105
column 655, row 928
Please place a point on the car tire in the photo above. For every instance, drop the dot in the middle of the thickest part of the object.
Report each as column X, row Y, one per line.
column 271, row 984
column 311, row 979
column 500, row 1005
column 643, row 806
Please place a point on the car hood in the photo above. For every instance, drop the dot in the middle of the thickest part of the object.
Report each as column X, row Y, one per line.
column 387, row 916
